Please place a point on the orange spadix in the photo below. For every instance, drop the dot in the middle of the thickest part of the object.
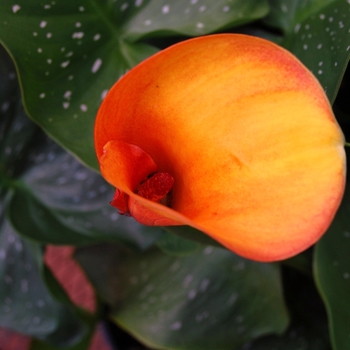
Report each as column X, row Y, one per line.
column 229, row 134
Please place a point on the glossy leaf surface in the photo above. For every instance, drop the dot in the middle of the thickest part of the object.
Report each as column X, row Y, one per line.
column 317, row 32
column 332, row 274
column 175, row 245
column 26, row 305
column 52, row 197
column 183, row 302
column 26, row 302
column 68, row 55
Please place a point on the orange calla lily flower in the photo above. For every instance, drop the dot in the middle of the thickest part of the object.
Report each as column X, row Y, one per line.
column 229, row 134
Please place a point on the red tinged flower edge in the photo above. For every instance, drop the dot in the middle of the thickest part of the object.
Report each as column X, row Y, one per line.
column 229, row 134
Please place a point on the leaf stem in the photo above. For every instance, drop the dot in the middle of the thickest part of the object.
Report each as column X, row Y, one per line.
column 346, row 144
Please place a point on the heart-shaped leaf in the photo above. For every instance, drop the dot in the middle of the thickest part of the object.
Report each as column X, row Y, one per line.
column 212, row 299
column 68, row 55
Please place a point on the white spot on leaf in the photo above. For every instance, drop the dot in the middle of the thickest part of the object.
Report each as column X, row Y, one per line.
column 77, row 35
column 65, row 64
column 176, row 326
column 166, row 9
column 96, row 66
column 4, row 107
column 192, row 294
column 67, row 94
column 297, row 27
column 232, row 299
column 15, row 8
column 204, row 285
column 103, row 94
column 124, row 6
column 188, row 279
column 208, row 250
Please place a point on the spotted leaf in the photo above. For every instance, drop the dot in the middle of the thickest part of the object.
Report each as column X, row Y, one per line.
column 183, row 302
column 52, row 198
column 26, row 305
column 317, row 32
column 34, row 202
column 69, row 54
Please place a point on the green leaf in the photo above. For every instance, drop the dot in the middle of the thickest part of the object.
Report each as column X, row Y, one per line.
column 68, row 55
column 59, row 201
column 190, row 233
column 332, row 274
column 175, row 245
column 40, row 345
column 191, row 18
column 317, row 32
column 285, row 14
column 212, row 299
column 52, row 197
column 83, row 344
column 309, row 324
column 26, row 306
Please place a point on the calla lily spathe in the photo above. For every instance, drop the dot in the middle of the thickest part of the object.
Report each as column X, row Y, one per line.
column 246, row 138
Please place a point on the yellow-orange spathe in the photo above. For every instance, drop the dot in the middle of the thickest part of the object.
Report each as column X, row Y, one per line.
column 245, row 131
